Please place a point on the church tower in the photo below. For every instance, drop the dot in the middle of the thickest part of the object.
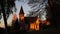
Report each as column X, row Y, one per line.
column 21, row 14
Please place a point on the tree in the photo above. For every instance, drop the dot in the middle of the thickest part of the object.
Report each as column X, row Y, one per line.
column 54, row 9
column 38, row 7
column 6, row 6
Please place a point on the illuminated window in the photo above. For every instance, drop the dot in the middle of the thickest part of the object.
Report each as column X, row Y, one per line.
column 36, row 26
column 32, row 26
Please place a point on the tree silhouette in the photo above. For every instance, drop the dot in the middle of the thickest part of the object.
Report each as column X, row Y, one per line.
column 54, row 10
column 38, row 7
column 6, row 6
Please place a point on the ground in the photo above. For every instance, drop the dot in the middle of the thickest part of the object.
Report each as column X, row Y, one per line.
column 42, row 31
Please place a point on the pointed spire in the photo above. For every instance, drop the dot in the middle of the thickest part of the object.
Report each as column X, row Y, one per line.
column 21, row 10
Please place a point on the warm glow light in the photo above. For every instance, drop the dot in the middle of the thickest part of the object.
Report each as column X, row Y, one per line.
column 21, row 17
column 37, row 21
column 32, row 26
column 36, row 26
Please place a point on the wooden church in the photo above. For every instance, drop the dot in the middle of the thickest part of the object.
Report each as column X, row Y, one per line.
column 25, row 23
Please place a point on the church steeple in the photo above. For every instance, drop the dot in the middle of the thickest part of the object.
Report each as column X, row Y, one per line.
column 21, row 14
column 21, row 10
